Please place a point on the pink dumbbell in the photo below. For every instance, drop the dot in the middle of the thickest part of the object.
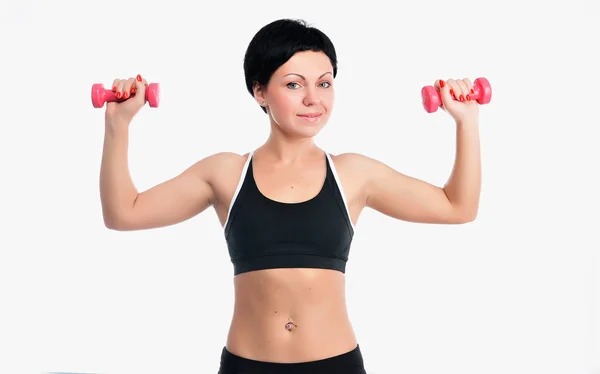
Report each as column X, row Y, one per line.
column 432, row 100
column 100, row 95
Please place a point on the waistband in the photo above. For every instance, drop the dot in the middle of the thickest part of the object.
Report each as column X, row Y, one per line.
column 349, row 363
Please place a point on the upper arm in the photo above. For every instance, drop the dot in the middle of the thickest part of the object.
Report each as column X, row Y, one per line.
column 173, row 201
column 404, row 197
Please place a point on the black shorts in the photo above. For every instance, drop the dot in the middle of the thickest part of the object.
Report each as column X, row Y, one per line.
column 347, row 363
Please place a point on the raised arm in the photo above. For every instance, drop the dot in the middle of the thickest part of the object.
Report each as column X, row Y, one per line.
column 400, row 196
column 168, row 203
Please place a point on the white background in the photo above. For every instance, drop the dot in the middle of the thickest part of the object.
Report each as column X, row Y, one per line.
column 517, row 291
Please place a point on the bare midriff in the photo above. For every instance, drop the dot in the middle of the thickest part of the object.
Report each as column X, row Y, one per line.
column 290, row 315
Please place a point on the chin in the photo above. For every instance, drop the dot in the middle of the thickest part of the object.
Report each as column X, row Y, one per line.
column 309, row 133
column 308, row 130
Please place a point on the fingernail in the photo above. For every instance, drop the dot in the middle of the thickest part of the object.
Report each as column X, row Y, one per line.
column 468, row 98
column 118, row 95
column 461, row 98
column 125, row 95
column 472, row 91
column 132, row 90
column 114, row 89
column 139, row 78
column 442, row 83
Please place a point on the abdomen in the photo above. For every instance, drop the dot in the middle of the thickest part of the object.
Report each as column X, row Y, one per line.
column 290, row 315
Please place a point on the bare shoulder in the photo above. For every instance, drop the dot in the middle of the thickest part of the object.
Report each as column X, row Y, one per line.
column 225, row 170
column 220, row 163
column 216, row 172
column 351, row 158
column 354, row 171
column 224, row 158
column 355, row 165
column 361, row 172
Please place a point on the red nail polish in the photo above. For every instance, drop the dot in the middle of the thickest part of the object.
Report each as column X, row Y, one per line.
column 461, row 98
column 442, row 83
column 468, row 98
column 139, row 78
column 472, row 92
column 118, row 95
column 125, row 95
column 452, row 92
column 114, row 89
column 132, row 90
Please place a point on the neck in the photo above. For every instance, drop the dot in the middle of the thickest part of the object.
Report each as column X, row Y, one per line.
column 288, row 149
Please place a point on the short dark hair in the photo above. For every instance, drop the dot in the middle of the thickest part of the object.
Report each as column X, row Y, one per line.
column 274, row 44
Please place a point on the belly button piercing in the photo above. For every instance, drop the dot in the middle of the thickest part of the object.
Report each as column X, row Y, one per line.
column 290, row 325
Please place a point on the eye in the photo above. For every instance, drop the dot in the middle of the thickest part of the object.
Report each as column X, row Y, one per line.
column 292, row 83
column 327, row 84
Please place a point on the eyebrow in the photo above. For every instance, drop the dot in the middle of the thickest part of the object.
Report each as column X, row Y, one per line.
column 301, row 76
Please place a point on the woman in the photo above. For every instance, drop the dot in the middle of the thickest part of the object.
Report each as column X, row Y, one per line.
column 288, row 208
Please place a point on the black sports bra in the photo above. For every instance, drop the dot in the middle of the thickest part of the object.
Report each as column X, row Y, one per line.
column 264, row 234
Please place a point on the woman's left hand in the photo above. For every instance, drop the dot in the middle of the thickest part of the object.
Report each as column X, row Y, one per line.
column 457, row 101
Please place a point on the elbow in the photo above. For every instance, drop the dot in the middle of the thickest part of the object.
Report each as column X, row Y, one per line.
column 109, row 218
column 112, row 224
column 115, row 222
column 466, row 217
column 460, row 215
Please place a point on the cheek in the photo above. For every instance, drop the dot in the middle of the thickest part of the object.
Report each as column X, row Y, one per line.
column 286, row 105
column 329, row 99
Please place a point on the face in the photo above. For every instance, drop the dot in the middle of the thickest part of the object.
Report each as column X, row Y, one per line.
column 300, row 95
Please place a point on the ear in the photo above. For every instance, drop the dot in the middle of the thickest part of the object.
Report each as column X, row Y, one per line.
column 259, row 94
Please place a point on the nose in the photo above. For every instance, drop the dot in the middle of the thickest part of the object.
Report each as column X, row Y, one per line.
column 312, row 97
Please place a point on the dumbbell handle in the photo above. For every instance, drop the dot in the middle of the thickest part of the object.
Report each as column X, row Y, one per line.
column 432, row 100
column 101, row 95
column 476, row 94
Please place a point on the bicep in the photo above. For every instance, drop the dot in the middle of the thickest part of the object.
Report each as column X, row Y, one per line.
column 173, row 201
column 407, row 198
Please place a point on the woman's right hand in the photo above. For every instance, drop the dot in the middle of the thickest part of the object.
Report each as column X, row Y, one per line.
column 133, row 91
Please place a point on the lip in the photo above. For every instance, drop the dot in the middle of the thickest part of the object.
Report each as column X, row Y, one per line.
column 310, row 115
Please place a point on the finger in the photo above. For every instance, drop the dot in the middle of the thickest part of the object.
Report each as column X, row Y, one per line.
column 115, row 86
column 127, row 88
column 464, row 90
column 469, row 85
column 143, row 80
column 438, row 84
column 457, row 90
column 454, row 89
column 446, row 92
column 140, row 85
column 120, row 87
column 442, row 87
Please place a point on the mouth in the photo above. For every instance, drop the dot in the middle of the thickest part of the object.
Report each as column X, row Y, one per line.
column 310, row 117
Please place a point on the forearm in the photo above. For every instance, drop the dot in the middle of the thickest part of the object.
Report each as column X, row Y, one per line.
column 117, row 191
column 464, row 185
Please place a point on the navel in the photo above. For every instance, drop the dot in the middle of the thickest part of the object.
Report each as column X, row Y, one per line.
column 290, row 325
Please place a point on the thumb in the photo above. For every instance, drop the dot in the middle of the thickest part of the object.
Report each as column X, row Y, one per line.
column 140, row 90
